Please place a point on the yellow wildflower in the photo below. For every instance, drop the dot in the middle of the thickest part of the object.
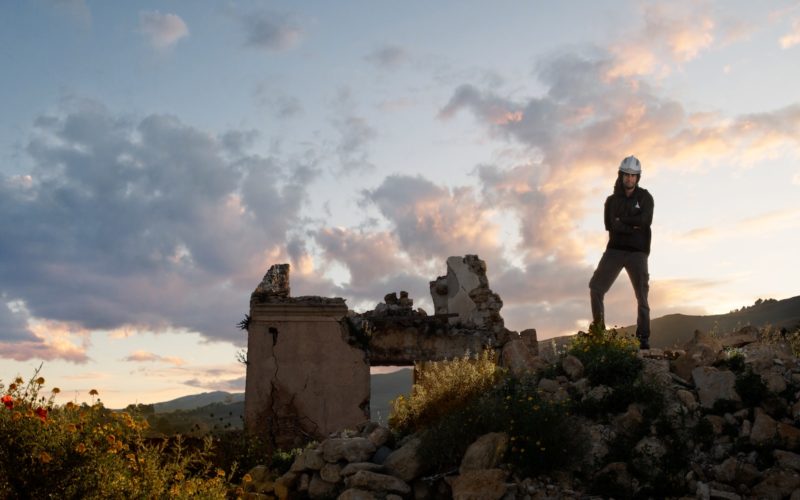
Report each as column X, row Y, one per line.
column 80, row 448
column 246, row 478
column 40, row 380
column 220, row 473
column 179, row 476
column 19, row 380
column 93, row 392
column 45, row 457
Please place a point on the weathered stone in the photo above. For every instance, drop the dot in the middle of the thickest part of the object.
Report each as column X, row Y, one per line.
column 485, row 453
column 260, row 480
column 764, row 429
column 404, row 462
column 356, row 449
column 380, row 436
column 310, row 459
column 374, row 481
column 304, row 482
column 331, row 473
column 687, row 399
column 572, row 367
column 600, row 436
column 351, row 469
column 774, row 381
column 381, row 454
column 714, row 385
column 356, row 494
column 715, row 494
column 777, row 483
column 487, row 484
column 320, row 488
column 529, row 337
column 740, row 338
column 787, row 459
column 702, row 350
column 598, row 393
column 275, row 282
column 517, row 357
column 745, row 429
column 736, row 472
column 789, row 436
column 717, row 423
column 549, row 385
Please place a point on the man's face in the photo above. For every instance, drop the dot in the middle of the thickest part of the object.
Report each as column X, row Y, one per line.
column 629, row 181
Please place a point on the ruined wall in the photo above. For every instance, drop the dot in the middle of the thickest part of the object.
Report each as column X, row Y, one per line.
column 309, row 357
column 304, row 379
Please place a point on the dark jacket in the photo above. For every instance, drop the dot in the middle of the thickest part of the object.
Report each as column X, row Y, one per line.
column 628, row 220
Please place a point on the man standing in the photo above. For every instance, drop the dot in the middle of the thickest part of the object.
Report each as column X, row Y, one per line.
column 628, row 215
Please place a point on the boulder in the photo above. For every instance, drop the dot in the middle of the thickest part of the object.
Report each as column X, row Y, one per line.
column 573, row 367
column 351, row 469
column 702, row 350
column 319, row 488
column 331, row 473
column 487, row 484
column 517, row 357
column 485, row 453
column 374, row 481
column 777, row 483
column 714, row 385
column 357, row 449
column 764, row 429
column 787, row 459
column 789, row 436
column 356, row 494
column 404, row 462
column 310, row 459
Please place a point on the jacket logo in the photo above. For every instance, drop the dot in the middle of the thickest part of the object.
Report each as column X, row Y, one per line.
column 637, row 206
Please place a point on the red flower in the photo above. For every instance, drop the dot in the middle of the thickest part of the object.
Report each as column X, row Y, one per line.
column 8, row 401
column 41, row 413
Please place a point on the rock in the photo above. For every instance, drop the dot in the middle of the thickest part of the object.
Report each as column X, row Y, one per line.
column 714, row 385
column 741, row 338
column 380, row 436
column 357, row 449
column 600, row 436
column 598, row 393
column 331, row 473
column 320, row 488
column 735, row 472
column 373, row 481
column 310, row 459
column 702, row 350
column 485, row 453
column 715, row 494
column 717, row 423
column 572, row 367
column 517, row 357
column 777, row 483
column 404, row 462
column 789, row 436
column 487, row 484
column 764, row 429
column 356, row 494
column 260, row 480
column 381, row 454
column 549, row 385
column 687, row 399
column 275, row 282
column 774, row 381
column 787, row 459
column 351, row 469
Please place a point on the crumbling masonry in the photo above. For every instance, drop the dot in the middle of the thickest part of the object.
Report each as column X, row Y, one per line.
column 309, row 358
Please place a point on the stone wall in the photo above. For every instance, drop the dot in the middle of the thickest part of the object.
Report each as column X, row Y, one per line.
column 309, row 357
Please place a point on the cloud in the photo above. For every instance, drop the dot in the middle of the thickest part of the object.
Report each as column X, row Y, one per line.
column 355, row 136
column 271, row 30
column 791, row 38
column 433, row 221
column 146, row 224
column 389, row 56
column 145, row 356
column 671, row 34
column 162, row 30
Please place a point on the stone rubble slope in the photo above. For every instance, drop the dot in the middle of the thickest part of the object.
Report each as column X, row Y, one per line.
column 702, row 403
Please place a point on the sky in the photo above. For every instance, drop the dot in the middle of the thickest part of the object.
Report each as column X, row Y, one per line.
column 156, row 157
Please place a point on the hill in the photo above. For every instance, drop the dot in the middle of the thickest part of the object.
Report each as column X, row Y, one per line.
column 674, row 330
column 384, row 388
column 198, row 400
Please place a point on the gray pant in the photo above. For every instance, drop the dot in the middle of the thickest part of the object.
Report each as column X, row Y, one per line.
column 611, row 264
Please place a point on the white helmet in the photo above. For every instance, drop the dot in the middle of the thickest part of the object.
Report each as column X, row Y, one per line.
column 631, row 165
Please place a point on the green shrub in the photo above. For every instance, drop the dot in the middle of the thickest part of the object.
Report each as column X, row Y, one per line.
column 88, row 451
column 608, row 357
column 443, row 387
column 544, row 434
